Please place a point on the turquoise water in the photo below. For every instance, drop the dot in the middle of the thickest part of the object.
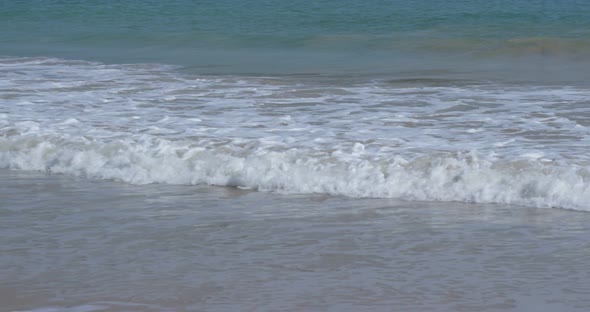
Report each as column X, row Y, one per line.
column 482, row 39
column 294, row 155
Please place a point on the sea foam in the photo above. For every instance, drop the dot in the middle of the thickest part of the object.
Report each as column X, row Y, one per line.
column 409, row 139
column 466, row 177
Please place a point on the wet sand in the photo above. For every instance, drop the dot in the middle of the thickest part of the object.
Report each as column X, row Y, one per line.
column 74, row 244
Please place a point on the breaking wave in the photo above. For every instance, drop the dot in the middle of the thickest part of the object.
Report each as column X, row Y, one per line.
column 465, row 177
column 412, row 139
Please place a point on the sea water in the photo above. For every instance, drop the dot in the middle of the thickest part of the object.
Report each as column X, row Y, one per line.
column 412, row 139
column 80, row 245
column 405, row 104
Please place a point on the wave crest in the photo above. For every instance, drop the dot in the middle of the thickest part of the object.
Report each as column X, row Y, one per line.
column 465, row 177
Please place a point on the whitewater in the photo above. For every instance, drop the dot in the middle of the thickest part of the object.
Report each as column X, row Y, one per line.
column 410, row 137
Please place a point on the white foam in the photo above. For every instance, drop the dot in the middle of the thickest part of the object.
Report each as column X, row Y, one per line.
column 70, row 121
column 446, row 177
column 80, row 308
column 148, row 124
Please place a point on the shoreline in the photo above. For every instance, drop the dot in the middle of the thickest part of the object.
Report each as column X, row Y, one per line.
column 91, row 245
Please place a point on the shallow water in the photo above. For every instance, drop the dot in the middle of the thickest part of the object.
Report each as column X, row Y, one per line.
column 413, row 139
column 326, row 155
column 91, row 245
column 470, row 101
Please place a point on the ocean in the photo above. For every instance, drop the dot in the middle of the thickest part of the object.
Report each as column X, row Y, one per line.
column 294, row 155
